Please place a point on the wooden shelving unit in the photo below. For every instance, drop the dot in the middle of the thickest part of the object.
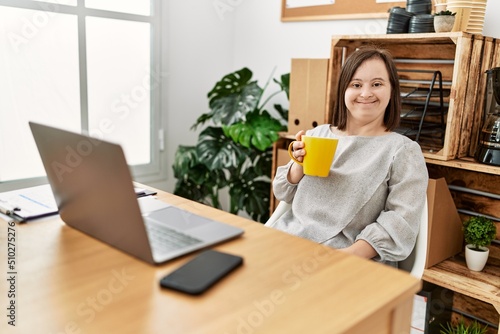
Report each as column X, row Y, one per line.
column 466, row 164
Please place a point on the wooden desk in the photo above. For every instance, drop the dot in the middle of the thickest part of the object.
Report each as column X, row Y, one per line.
column 453, row 274
column 68, row 282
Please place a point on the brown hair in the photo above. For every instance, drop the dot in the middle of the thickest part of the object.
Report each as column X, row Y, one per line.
column 393, row 109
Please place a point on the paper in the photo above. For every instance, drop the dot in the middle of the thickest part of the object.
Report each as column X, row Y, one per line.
column 30, row 202
column 418, row 314
column 307, row 3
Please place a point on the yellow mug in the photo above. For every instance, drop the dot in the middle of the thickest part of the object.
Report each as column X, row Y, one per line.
column 319, row 156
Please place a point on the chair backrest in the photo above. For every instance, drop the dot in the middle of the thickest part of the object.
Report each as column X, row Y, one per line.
column 414, row 263
column 278, row 212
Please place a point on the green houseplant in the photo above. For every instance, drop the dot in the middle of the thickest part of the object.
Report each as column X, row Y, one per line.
column 479, row 232
column 462, row 328
column 445, row 13
column 235, row 149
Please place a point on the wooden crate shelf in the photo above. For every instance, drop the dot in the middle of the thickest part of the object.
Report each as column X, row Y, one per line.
column 453, row 274
column 461, row 57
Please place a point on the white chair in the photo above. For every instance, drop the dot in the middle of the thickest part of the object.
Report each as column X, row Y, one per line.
column 414, row 263
column 278, row 212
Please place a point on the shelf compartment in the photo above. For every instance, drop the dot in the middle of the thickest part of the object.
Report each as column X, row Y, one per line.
column 414, row 121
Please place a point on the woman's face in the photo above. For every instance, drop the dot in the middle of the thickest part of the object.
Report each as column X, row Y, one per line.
column 368, row 94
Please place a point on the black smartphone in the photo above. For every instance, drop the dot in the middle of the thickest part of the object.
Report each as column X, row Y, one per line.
column 200, row 273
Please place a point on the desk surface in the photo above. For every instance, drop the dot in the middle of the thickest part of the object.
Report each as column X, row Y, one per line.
column 67, row 282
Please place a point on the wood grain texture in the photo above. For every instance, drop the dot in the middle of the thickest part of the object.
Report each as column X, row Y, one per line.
column 475, row 309
column 470, row 109
column 477, row 121
column 70, row 282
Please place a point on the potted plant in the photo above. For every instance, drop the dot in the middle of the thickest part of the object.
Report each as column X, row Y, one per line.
column 444, row 21
column 235, row 151
column 479, row 232
column 462, row 328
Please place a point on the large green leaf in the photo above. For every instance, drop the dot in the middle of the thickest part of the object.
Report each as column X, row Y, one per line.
column 262, row 163
column 201, row 120
column 188, row 167
column 185, row 159
column 198, row 182
column 231, row 98
column 259, row 131
column 250, row 195
column 232, row 83
column 283, row 116
column 257, row 204
column 199, row 193
column 284, row 84
column 216, row 151
column 233, row 108
column 201, row 175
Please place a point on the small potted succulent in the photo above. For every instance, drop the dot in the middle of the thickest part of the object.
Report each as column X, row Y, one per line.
column 479, row 232
column 444, row 21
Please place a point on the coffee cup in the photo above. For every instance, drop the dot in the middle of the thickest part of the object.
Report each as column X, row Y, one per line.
column 319, row 155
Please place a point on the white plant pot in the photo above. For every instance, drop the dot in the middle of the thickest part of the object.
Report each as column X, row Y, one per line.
column 476, row 260
column 443, row 23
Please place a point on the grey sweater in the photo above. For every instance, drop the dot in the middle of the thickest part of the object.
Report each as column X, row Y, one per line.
column 375, row 192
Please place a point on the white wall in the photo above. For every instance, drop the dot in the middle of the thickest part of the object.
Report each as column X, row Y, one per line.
column 210, row 38
column 198, row 50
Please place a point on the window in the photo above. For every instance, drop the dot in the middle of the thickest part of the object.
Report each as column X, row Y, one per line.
column 88, row 66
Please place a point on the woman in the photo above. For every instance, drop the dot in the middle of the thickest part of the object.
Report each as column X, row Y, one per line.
column 370, row 204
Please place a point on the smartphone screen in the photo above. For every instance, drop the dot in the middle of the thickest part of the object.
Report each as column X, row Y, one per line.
column 200, row 273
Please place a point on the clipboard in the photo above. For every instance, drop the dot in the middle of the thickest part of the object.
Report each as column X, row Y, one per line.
column 28, row 203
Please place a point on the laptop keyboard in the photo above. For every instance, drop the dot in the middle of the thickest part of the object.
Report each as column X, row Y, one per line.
column 164, row 239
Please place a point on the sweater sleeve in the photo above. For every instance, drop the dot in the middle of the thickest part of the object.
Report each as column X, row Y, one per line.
column 394, row 233
column 284, row 190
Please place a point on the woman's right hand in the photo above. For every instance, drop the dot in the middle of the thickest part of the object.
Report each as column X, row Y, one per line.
column 296, row 171
column 298, row 146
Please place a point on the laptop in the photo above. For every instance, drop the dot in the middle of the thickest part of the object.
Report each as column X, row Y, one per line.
column 94, row 191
